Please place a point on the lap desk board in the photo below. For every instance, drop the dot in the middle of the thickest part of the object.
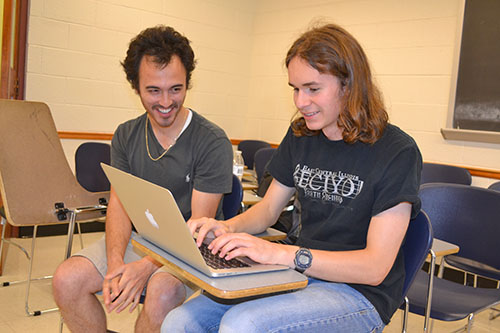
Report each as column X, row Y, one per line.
column 230, row 287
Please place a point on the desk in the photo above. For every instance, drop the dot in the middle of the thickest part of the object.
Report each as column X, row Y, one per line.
column 249, row 185
column 442, row 248
column 249, row 174
column 249, row 180
column 250, row 198
column 225, row 288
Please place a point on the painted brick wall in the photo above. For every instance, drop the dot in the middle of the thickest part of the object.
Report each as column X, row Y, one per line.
column 240, row 81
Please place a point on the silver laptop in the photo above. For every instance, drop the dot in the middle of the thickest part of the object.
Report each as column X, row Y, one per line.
column 157, row 218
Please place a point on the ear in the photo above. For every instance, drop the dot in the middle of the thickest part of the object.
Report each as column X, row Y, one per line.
column 344, row 90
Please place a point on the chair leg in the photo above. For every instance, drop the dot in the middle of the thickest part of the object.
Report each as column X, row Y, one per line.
column 71, row 229
column 80, row 234
column 30, row 269
column 3, row 224
column 432, row 268
column 28, row 285
column 405, row 315
column 470, row 321
column 495, row 313
column 61, row 323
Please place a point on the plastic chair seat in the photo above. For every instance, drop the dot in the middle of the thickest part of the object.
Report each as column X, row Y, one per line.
column 450, row 300
column 472, row 266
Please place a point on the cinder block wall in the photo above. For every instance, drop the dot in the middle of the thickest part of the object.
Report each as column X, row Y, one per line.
column 240, row 82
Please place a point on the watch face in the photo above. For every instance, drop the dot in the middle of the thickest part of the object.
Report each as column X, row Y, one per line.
column 304, row 259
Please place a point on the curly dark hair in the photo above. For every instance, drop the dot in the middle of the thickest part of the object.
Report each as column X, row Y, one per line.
column 332, row 50
column 160, row 42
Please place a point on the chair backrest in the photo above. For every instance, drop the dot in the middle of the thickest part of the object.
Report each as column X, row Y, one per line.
column 248, row 149
column 34, row 171
column 495, row 186
column 261, row 158
column 467, row 216
column 88, row 170
column 416, row 246
column 231, row 202
column 441, row 173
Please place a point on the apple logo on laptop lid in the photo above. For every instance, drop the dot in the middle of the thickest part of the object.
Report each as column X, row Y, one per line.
column 151, row 219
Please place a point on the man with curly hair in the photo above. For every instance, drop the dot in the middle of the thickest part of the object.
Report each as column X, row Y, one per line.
column 171, row 146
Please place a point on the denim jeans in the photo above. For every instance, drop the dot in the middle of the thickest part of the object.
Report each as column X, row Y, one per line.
column 320, row 307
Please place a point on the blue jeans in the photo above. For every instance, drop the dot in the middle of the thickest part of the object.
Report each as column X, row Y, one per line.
column 320, row 307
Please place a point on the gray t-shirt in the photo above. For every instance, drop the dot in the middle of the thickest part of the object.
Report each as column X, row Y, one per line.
column 201, row 159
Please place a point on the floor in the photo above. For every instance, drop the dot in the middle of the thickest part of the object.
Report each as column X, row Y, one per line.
column 50, row 251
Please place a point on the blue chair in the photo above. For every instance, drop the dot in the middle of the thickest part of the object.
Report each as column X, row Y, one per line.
column 416, row 246
column 261, row 158
column 441, row 173
column 231, row 203
column 468, row 217
column 248, row 149
column 88, row 170
column 495, row 186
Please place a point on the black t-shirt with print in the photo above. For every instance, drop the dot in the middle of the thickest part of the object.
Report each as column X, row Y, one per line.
column 342, row 186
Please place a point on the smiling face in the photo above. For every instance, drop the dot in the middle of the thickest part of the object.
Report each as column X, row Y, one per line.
column 162, row 90
column 317, row 96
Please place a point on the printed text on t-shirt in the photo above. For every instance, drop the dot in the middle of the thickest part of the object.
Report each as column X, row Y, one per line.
column 328, row 186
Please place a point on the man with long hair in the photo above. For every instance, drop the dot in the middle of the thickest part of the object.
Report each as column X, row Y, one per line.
column 356, row 178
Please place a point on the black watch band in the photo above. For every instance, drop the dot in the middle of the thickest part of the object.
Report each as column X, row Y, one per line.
column 303, row 259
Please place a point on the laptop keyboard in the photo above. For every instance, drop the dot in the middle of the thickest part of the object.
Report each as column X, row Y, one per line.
column 217, row 262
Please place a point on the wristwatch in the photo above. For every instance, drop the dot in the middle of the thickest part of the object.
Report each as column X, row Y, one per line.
column 303, row 259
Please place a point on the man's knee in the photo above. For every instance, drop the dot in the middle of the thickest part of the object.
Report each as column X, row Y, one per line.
column 165, row 288
column 74, row 276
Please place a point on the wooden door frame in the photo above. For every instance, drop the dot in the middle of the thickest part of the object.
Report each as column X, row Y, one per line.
column 12, row 85
column 14, row 38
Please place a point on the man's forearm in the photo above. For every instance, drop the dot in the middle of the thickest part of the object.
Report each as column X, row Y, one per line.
column 118, row 231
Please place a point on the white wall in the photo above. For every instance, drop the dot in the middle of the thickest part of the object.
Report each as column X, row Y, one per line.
column 240, row 82
column 75, row 48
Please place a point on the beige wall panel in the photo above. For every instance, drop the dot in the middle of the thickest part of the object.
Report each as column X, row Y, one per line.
column 240, row 81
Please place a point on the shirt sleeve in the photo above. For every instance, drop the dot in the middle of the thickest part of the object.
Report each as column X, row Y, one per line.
column 118, row 152
column 400, row 182
column 281, row 164
column 213, row 170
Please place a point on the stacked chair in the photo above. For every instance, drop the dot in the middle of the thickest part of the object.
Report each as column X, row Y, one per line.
column 468, row 217
column 442, row 173
column 261, row 158
column 248, row 149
